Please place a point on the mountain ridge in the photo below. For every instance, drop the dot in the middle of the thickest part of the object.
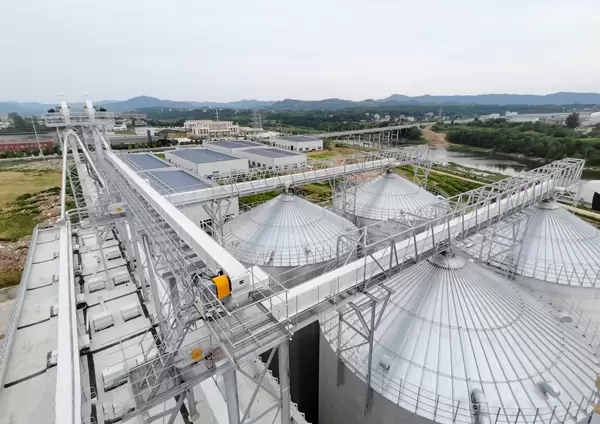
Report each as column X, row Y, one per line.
column 141, row 102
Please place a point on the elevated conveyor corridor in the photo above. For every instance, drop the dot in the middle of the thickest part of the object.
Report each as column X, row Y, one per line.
column 310, row 174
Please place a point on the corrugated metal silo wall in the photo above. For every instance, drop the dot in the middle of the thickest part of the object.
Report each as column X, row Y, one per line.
column 304, row 370
column 345, row 404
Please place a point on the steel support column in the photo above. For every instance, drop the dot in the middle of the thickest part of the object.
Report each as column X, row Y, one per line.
column 284, row 382
column 231, row 396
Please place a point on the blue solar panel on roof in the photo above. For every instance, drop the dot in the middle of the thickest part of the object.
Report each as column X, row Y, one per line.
column 145, row 161
column 202, row 155
column 270, row 152
column 179, row 180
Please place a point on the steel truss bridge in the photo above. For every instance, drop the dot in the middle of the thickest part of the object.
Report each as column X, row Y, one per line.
column 261, row 314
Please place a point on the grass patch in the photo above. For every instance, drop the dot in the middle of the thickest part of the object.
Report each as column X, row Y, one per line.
column 18, row 217
column 16, row 183
column 159, row 155
column 10, row 278
column 260, row 198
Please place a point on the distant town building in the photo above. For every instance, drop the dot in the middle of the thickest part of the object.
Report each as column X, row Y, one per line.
column 4, row 125
column 212, row 129
column 410, row 119
column 119, row 127
column 24, row 145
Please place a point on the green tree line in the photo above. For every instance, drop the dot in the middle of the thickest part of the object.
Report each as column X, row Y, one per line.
column 530, row 139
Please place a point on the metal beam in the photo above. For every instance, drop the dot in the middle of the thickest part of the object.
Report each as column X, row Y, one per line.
column 231, row 396
column 284, row 382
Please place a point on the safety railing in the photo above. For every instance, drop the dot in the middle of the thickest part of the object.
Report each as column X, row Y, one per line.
column 13, row 320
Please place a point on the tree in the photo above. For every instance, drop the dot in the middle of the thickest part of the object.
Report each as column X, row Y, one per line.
column 572, row 120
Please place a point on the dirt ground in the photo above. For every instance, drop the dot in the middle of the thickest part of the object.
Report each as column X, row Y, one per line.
column 435, row 139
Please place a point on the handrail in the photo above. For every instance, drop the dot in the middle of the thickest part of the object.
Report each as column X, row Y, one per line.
column 13, row 320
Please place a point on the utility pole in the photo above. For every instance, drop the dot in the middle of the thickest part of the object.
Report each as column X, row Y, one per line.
column 37, row 138
column 441, row 111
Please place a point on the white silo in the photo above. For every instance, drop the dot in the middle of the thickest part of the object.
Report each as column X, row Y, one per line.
column 455, row 338
column 383, row 198
column 288, row 237
column 558, row 256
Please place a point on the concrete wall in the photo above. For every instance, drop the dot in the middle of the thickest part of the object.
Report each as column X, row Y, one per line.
column 180, row 162
column 222, row 166
column 278, row 161
column 345, row 404
column 198, row 214
column 297, row 146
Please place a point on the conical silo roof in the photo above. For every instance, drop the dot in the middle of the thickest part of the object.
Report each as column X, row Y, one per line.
column 452, row 326
column 557, row 247
column 385, row 197
column 286, row 231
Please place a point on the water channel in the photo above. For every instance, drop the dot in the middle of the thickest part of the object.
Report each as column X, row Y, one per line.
column 508, row 166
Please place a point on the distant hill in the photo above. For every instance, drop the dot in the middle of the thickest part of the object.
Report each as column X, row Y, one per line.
column 143, row 102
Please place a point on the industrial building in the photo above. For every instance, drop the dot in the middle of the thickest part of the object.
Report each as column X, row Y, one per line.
column 212, row 129
column 231, row 147
column 298, row 143
column 271, row 157
column 206, row 162
column 134, row 309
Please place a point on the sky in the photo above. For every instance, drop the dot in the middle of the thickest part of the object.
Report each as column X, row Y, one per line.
column 307, row 49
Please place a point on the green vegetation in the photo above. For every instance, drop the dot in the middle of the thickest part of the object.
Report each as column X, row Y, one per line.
column 17, row 182
column 10, row 278
column 260, row 198
column 572, row 120
column 22, row 126
column 539, row 140
column 159, row 155
column 17, row 218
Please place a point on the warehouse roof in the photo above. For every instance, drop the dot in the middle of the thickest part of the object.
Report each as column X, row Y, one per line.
column 299, row 138
column 202, row 155
column 176, row 181
column 144, row 161
column 271, row 152
column 234, row 144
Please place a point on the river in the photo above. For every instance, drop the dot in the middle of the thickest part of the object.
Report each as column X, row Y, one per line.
column 507, row 166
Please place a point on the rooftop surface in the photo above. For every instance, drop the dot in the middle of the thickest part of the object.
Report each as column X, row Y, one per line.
column 201, row 155
column 234, row 144
column 299, row 138
column 144, row 161
column 176, row 181
column 272, row 152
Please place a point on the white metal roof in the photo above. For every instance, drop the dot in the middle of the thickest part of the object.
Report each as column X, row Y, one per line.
column 452, row 326
column 285, row 231
column 557, row 247
column 385, row 197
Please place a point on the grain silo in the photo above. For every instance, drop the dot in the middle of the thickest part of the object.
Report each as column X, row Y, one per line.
column 457, row 342
column 558, row 256
column 288, row 237
column 383, row 198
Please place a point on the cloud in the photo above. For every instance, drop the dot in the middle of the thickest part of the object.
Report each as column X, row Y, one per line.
column 220, row 51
